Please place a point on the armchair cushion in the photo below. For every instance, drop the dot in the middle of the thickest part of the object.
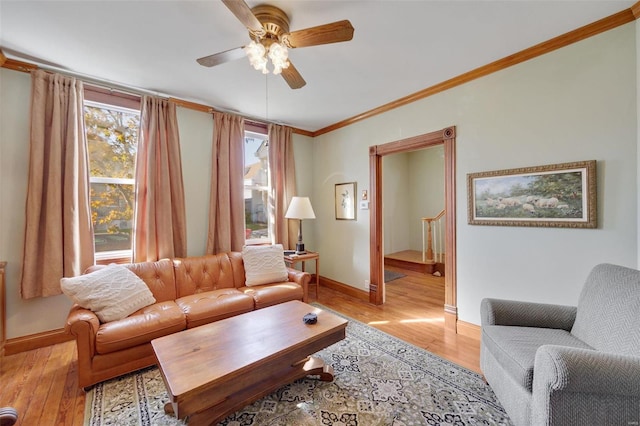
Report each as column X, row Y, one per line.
column 264, row 264
column 515, row 347
column 112, row 293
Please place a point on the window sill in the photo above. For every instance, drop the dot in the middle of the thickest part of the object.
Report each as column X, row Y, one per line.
column 257, row 241
column 119, row 257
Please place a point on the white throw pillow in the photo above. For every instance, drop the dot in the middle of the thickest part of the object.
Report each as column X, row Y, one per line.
column 112, row 293
column 264, row 264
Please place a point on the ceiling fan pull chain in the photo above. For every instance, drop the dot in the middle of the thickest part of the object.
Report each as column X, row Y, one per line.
column 266, row 94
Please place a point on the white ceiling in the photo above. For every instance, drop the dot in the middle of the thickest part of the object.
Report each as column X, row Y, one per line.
column 398, row 48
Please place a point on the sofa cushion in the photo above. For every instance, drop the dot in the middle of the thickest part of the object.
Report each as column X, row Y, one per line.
column 113, row 292
column 203, row 308
column 264, row 264
column 515, row 347
column 150, row 322
column 272, row 294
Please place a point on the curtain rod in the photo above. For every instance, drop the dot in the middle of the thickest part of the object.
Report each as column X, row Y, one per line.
column 19, row 65
column 106, row 84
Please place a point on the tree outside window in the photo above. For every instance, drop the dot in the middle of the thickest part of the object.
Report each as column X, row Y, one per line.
column 112, row 137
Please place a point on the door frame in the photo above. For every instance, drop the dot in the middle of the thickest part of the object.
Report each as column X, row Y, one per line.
column 446, row 137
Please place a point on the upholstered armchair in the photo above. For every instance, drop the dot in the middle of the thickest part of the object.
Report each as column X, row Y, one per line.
column 565, row 365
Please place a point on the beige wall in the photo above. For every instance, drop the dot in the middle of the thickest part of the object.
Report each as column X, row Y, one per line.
column 577, row 103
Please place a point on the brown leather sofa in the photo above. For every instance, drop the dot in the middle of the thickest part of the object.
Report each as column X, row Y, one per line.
column 189, row 292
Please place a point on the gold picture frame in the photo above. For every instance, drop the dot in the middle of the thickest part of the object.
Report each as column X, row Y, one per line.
column 555, row 195
column 345, row 196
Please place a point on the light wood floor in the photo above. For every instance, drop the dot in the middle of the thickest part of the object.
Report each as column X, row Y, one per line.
column 41, row 384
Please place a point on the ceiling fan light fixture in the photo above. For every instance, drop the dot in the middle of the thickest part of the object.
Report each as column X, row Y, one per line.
column 279, row 56
column 257, row 55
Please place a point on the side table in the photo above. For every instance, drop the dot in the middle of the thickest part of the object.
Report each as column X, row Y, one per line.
column 292, row 259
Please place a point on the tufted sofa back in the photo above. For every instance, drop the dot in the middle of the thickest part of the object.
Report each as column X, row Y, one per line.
column 170, row 279
column 158, row 276
column 210, row 272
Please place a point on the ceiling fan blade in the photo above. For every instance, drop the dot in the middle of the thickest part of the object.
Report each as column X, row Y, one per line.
column 293, row 77
column 222, row 57
column 322, row 34
column 244, row 14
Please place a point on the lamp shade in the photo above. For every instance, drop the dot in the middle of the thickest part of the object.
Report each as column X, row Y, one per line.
column 300, row 208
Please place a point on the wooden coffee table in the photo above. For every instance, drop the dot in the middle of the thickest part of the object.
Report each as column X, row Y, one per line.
column 213, row 370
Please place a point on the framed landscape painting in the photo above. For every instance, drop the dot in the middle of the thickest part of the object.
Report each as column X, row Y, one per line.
column 556, row 195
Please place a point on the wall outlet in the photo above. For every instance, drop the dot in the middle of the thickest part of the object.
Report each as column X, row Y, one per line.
column 366, row 284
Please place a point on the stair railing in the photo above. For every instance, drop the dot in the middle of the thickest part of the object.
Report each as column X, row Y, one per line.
column 434, row 225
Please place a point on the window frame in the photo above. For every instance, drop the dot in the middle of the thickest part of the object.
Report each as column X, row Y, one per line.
column 107, row 99
column 259, row 132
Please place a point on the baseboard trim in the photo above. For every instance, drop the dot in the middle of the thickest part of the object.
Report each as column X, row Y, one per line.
column 469, row 330
column 36, row 341
column 343, row 288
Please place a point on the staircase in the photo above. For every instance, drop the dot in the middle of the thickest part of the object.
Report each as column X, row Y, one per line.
column 431, row 259
column 412, row 261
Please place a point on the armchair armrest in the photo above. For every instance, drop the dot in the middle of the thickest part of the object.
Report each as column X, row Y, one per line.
column 526, row 314
column 590, row 384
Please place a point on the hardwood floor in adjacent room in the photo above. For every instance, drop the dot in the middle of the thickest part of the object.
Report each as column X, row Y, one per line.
column 42, row 384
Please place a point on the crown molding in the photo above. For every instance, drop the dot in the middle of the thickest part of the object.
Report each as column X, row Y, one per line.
column 635, row 9
column 595, row 28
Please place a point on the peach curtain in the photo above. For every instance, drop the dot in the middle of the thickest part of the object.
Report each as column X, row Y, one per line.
column 226, row 209
column 160, row 218
column 282, row 184
column 58, row 234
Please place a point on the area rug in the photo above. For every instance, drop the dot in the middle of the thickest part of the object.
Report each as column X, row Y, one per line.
column 391, row 275
column 379, row 380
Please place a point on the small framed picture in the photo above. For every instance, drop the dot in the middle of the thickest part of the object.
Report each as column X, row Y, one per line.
column 346, row 201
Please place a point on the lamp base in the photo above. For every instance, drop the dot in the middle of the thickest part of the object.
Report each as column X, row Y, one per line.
column 300, row 248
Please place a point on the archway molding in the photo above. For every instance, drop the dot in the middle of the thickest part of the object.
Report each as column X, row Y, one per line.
column 446, row 137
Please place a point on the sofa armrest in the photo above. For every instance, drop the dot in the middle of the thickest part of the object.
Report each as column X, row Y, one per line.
column 83, row 324
column 301, row 278
column 526, row 314
column 570, row 382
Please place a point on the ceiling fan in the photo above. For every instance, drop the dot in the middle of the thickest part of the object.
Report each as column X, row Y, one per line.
column 269, row 31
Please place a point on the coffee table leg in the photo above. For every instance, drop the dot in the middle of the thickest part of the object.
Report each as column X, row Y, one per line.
column 168, row 408
column 317, row 367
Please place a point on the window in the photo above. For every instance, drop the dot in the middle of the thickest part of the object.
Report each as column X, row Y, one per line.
column 256, row 188
column 112, row 138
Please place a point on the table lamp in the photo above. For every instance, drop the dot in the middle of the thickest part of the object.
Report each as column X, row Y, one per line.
column 300, row 208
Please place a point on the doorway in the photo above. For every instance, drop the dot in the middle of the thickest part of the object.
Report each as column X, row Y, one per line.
column 445, row 137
